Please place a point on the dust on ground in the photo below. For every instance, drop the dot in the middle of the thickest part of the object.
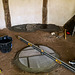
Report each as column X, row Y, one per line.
column 65, row 49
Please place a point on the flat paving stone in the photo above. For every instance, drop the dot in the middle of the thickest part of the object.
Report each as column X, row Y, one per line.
column 34, row 60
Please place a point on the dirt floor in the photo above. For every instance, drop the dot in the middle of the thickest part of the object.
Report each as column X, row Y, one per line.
column 65, row 49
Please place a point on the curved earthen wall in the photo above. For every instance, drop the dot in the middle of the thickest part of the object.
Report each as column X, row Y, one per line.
column 2, row 20
column 31, row 11
column 60, row 11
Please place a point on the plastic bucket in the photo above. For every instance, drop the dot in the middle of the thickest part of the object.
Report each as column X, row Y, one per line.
column 5, row 44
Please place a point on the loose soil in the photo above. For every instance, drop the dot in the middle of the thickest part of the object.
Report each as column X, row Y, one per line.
column 65, row 49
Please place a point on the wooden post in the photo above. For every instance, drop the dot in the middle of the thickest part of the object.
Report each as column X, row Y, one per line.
column 65, row 34
column 44, row 12
column 7, row 14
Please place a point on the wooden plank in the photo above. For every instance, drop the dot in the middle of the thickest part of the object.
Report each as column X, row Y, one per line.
column 7, row 13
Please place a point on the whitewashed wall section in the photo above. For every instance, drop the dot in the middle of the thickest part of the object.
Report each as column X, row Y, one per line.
column 30, row 11
column 60, row 11
column 2, row 18
column 25, row 11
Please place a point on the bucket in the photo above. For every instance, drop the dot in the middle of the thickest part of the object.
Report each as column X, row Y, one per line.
column 5, row 44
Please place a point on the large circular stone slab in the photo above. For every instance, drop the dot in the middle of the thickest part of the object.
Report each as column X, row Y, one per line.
column 31, row 60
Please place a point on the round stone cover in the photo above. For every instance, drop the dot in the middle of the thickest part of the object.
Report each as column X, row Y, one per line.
column 31, row 60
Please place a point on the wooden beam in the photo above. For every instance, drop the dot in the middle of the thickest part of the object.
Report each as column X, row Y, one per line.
column 44, row 12
column 7, row 13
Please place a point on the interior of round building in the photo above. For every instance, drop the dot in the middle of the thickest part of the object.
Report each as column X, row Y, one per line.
column 37, row 37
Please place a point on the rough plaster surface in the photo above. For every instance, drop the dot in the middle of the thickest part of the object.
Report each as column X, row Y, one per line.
column 25, row 11
column 60, row 11
column 30, row 11
column 2, row 19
